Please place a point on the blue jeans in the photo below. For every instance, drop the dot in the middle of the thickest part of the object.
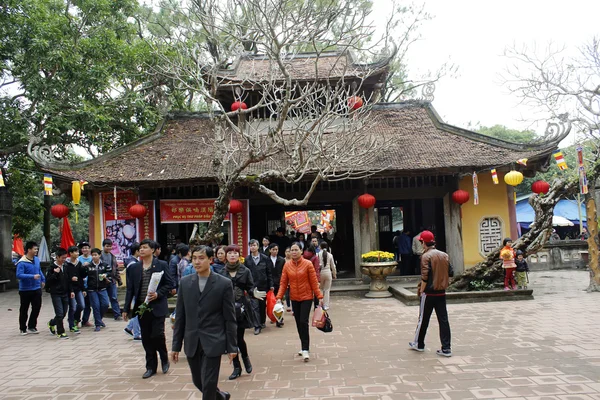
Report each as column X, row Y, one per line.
column 114, row 301
column 99, row 302
column 87, row 310
column 76, row 306
column 60, row 304
column 134, row 326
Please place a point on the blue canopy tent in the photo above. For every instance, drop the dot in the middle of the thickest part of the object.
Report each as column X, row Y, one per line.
column 564, row 208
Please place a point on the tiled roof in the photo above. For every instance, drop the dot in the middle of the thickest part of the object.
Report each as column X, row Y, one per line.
column 332, row 65
column 419, row 143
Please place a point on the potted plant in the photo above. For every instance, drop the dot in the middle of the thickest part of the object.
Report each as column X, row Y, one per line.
column 378, row 265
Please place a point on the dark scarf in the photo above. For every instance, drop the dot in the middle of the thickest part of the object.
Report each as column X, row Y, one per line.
column 233, row 267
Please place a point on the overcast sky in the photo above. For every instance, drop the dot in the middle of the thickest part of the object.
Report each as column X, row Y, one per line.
column 473, row 34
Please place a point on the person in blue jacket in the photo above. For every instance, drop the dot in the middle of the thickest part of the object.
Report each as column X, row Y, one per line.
column 31, row 281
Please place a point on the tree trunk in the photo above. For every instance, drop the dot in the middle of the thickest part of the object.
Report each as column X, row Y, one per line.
column 214, row 234
column 490, row 270
column 592, row 227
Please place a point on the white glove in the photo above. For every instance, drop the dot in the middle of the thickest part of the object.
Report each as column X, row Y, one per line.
column 260, row 295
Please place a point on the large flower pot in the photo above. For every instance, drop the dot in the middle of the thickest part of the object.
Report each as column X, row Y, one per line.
column 378, row 271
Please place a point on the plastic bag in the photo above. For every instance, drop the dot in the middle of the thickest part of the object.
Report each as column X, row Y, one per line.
column 271, row 300
column 319, row 318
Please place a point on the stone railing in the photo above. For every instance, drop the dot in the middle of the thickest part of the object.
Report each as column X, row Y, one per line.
column 559, row 255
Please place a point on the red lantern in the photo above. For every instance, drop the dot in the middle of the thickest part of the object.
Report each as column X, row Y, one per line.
column 355, row 102
column 237, row 105
column 137, row 211
column 59, row 211
column 235, row 206
column 460, row 196
column 540, row 187
column 366, row 200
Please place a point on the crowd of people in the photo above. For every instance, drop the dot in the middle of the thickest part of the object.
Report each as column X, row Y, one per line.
column 219, row 296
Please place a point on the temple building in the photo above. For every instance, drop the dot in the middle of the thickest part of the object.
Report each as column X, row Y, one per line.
column 169, row 172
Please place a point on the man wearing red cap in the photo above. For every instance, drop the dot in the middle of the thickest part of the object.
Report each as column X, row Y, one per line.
column 435, row 275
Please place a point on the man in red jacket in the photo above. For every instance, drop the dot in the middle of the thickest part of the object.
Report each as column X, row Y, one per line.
column 435, row 275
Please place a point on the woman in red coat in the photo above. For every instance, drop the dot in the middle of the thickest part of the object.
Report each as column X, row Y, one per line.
column 299, row 273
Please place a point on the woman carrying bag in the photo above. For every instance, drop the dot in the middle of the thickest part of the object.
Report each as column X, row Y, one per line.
column 242, row 281
column 300, row 274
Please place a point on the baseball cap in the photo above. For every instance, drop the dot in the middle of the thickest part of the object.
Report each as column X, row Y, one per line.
column 427, row 237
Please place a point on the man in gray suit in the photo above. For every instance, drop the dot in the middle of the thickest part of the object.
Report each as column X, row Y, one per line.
column 205, row 321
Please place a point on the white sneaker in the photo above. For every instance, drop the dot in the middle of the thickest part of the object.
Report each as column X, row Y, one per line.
column 415, row 346
column 305, row 355
column 300, row 352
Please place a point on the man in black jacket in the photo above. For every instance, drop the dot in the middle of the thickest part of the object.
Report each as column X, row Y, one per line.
column 277, row 264
column 59, row 286
column 205, row 323
column 154, row 311
column 76, row 274
column 260, row 267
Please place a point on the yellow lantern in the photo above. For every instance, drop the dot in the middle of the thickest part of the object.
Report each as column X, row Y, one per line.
column 513, row 178
column 76, row 189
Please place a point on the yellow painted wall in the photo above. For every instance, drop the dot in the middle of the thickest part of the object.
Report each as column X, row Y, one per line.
column 493, row 202
column 97, row 223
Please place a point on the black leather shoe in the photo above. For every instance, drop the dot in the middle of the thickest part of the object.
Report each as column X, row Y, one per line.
column 225, row 395
column 148, row 374
column 165, row 367
column 235, row 374
column 247, row 364
column 257, row 331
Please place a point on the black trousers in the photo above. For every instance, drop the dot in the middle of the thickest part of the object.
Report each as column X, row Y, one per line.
column 33, row 298
column 406, row 264
column 61, row 307
column 153, row 339
column 428, row 304
column 260, row 309
column 205, row 374
column 302, row 314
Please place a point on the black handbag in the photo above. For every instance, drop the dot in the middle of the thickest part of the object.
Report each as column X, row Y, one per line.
column 328, row 326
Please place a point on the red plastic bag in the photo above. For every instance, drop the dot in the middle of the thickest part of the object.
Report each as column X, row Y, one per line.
column 271, row 300
column 319, row 318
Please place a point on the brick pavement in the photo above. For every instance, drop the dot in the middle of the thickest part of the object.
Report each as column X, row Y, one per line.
column 548, row 348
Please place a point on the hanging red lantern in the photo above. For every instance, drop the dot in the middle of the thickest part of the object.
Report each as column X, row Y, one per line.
column 235, row 206
column 59, row 211
column 355, row 102
column 366, row 200
column 460, row 196
column 137, row 211
column 237, row 105
column 540, row 187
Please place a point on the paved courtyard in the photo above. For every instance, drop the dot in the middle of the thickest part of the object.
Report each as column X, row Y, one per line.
column 548, row 348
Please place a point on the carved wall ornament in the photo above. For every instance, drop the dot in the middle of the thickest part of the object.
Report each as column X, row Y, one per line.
column 490, row 234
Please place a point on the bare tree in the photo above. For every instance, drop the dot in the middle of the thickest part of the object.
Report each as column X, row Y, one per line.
column 300, row 123
column 567, row 86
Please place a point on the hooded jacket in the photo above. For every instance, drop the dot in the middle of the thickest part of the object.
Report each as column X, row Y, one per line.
column 77, row 270
column 26, row 269
column 93, row 273
column 58, row 282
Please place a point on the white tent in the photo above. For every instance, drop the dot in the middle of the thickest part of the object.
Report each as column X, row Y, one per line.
column 557, row 220
column 43, row 253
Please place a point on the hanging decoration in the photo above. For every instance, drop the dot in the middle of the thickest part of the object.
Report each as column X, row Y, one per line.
column 76, row 189
column 59, row 211
column 115, row 199
column 513, row 178
column 475, row 191
column 366, row 201
column 238, row 105
column 235, row 206
column 137, row 211
column 1, row 179
column 460, row 196
column 583, row 183
column 540, row 187
column 522, row 161
column 355, row 102
column 67, row 240
column 560, row 160
column 494, row 176
column 47, row 185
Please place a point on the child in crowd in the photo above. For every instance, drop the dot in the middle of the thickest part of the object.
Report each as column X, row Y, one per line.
column 86, row 259
column 521, row 271
column 98, row 279
column 59, row 286
column 507, row 254
column 76, row 273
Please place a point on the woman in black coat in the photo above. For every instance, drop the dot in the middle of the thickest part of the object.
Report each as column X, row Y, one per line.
column 243, row 284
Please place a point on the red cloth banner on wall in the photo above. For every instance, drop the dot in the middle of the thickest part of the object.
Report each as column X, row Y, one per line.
column 146, row 225
column 178, row 211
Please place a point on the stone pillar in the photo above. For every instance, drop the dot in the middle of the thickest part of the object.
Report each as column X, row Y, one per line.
column 365, row 236
column 453, row 228
column 5, row 227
